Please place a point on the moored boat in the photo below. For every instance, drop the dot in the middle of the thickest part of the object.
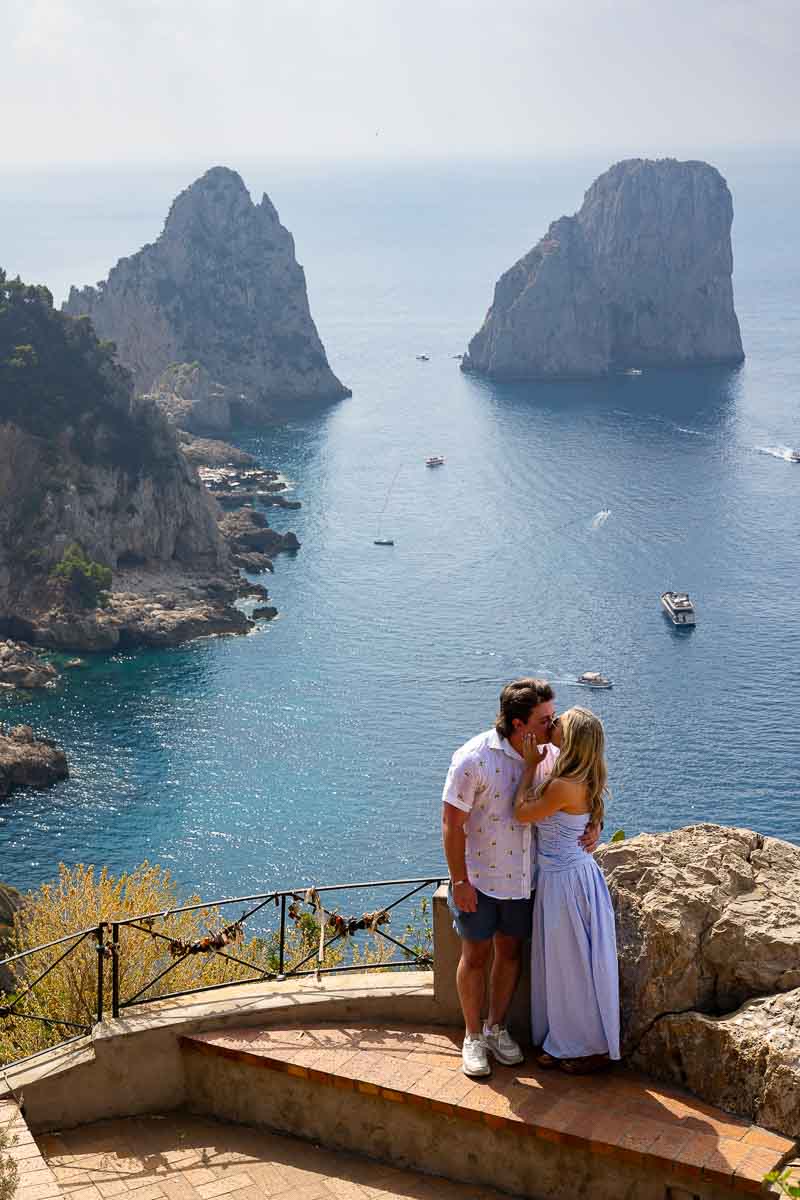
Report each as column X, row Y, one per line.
column 678, row 608
column 435, row 460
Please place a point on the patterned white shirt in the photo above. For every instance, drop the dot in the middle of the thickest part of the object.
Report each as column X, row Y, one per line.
column 482, row 780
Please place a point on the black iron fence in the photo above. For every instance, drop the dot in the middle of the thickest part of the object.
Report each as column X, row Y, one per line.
column 63, row 988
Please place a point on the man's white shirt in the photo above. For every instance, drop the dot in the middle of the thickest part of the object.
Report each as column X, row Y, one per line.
column 482, row 781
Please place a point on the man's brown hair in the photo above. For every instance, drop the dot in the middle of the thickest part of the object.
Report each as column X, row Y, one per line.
column 517, row 699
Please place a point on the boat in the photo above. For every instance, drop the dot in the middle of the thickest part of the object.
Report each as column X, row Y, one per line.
column 678, row 608
column 632, row 371
column 383, row 542
column 593, row 679
column 794, row 456
column 422, row 358
column 435, row 460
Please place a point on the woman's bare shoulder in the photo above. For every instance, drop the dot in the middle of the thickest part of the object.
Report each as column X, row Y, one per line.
column 570, row 794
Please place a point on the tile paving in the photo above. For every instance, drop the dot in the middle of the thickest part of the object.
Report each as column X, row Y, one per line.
column 619, row 1113
column 182, row 1157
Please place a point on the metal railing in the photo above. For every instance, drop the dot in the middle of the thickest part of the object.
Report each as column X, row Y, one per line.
column 273, row 954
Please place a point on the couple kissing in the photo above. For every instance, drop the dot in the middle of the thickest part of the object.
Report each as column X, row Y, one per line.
column 522, row 811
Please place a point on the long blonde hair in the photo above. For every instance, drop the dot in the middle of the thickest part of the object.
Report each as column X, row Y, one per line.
column 582, row 757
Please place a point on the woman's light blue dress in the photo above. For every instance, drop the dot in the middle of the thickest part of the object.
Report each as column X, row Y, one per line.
column 574, row 974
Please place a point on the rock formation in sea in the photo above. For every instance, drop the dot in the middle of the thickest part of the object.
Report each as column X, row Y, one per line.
column 22, row 668
column 213, row 316
column 708, row 933
column 29, row 762
column 641, row 276
column 92, row 481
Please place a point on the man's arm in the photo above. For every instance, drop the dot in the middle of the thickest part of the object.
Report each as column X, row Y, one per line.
column 454, row 840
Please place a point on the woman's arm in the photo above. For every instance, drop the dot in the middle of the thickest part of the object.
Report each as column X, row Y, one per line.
column 558, row 794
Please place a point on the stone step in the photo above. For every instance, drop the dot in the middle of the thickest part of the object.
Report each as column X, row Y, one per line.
column 398, row 1094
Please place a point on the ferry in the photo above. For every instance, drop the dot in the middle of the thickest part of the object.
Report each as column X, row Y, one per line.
column 593, row 679
column 435, row 460
column 678, row 608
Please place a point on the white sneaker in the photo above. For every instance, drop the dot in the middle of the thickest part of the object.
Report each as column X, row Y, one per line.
column 474, row 1059
column 501, row 1045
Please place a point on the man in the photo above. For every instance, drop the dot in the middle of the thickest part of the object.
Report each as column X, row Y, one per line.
column 491, row 860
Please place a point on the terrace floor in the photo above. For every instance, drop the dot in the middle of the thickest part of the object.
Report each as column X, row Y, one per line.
column 183, row 1157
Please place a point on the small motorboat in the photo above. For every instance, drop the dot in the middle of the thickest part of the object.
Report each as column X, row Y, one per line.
column 593, row 679
column 383, row 542
column 423, row 358
column 632, row 371
column 435, row 460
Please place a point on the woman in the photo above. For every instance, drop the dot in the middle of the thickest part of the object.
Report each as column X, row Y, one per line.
column 575, row 991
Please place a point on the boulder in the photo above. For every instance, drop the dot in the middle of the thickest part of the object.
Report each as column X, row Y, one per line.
column 641, row 276
column 708, row 935
column 21, row 667
column 27, row 761
column 219, row 292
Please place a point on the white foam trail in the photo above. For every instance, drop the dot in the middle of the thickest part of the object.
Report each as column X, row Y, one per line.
column 784, row 452
column 600, row 518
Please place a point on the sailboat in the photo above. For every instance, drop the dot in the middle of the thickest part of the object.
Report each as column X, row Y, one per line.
column 378, row 540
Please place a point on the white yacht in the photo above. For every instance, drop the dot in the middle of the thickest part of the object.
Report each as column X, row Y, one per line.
column 435, row 460
column 678, row 608
column 593, row 679
column 794, row 456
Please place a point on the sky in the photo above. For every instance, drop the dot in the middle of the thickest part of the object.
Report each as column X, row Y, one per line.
column 129, row 81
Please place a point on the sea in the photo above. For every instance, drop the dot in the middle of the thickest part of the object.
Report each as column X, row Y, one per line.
column 314, row 750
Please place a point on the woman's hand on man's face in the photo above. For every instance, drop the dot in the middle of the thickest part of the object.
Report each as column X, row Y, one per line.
column 531, row 751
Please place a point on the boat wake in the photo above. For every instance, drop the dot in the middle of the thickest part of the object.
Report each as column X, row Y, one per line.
column 784, row 452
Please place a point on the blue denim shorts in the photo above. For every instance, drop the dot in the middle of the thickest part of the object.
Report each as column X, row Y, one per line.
column 512, row 917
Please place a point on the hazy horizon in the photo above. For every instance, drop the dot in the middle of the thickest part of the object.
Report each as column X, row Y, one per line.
column 374, row 81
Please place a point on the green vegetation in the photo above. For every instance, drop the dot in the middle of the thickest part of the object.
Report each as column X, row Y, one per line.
column 783, row 1180
column 89, row 582
column 56, row 376
column 173, row 952
column 9, row 1174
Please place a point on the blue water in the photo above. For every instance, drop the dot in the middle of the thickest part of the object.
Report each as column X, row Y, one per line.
column 315, row 749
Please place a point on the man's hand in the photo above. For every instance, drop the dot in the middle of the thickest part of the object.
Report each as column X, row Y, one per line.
column 465, row 897
column 590, row 837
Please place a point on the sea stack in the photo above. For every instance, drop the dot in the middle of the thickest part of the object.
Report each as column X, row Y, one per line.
column 220, row 289
column 641, row 276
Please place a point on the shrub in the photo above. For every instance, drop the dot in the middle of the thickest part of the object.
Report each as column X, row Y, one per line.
column 88, row 581
column 9, row 1174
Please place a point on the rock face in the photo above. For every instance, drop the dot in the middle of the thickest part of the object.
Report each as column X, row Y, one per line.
column 221, row 291
column 26, row 761
column 708, row 931
column 84, row 462
column 639, row 277
column 191, row 400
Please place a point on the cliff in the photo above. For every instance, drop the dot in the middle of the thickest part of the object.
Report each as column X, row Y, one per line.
column 221, row 290
column 86, row 464
column 641, row 276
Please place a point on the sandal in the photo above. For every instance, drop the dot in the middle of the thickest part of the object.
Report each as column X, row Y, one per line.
column 546, row 1061
column 584, row 1066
